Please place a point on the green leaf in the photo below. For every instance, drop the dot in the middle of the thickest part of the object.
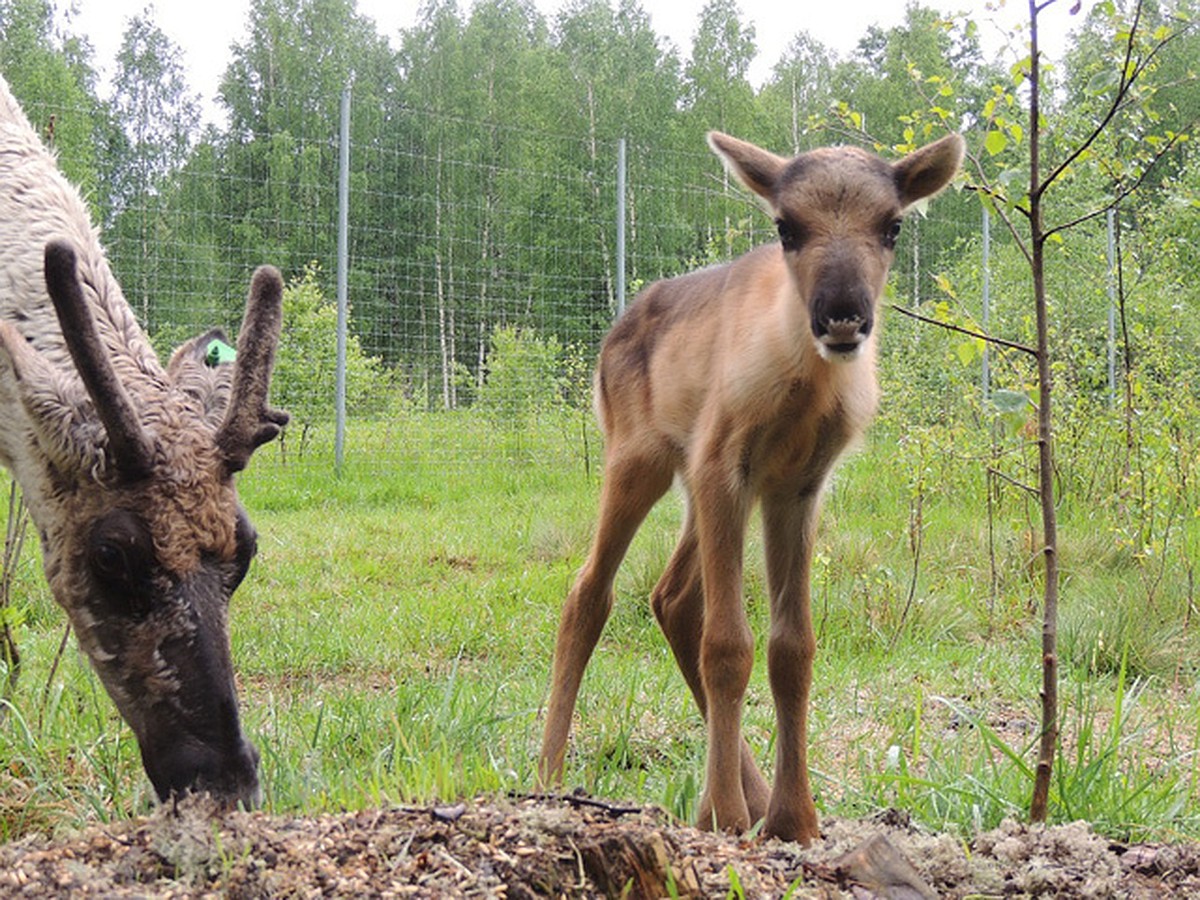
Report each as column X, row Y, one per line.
column 1010, row 402
column 1020, row 70
column 995, row 142
column 1009, row 176
column 968, row 351
column 1012, row 409
column 1102, row 82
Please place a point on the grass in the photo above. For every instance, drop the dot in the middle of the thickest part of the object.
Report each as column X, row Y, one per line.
column 394, row 637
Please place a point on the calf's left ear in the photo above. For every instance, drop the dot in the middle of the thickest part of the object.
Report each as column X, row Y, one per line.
column 926, row 171
column 193, row 371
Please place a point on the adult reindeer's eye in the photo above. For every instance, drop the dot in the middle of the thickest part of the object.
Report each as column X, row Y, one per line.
column 120, row 555
column 892, row 233
column 108, row 561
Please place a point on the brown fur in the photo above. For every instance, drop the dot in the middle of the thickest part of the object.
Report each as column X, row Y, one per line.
column 747, row 381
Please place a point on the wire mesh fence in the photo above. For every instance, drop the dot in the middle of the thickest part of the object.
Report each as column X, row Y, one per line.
column 482, row 273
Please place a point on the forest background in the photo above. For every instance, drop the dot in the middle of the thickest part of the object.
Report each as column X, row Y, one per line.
column 483, row 171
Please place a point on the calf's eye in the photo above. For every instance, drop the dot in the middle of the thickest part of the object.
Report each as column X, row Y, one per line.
column 892, row 234
column 789, row 234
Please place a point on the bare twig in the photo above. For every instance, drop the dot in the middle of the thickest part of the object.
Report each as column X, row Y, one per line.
column 579, row 800
column 1000, row 342
column 62, row 648
column 14, row 540
column 916, row 541
column 1019, row 485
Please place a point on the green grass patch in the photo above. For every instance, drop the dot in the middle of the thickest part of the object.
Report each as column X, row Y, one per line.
column 393, row 644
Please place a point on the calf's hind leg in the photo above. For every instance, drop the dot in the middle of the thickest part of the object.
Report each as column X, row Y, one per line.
column 631, row 487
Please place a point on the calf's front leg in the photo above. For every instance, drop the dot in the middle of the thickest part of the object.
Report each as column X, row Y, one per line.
column 789, row 527
column 678, row 604
column 726, row 645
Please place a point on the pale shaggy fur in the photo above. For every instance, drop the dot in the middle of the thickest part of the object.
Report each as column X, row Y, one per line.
column 37, row 205
column 142, row 535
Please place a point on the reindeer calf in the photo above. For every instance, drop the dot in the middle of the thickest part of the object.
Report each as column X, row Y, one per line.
column 747, row 381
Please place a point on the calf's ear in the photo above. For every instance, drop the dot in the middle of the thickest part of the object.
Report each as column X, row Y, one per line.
column 926, row 171
column 756, row 168
column 200, row 368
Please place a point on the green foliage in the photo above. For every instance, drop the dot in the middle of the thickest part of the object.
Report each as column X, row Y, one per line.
column 51, row 75
column 524, row 376
column 306, row 362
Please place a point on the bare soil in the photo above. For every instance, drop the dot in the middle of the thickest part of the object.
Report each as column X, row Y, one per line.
column 574, row 847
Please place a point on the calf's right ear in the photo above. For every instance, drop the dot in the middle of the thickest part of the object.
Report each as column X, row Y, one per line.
column 756, row 168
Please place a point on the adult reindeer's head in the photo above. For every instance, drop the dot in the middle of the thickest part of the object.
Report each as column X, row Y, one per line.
column 129, row 475
column 838, row 211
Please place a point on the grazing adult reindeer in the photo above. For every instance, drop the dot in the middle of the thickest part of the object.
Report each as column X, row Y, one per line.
column 127, row 470
column 747, row 381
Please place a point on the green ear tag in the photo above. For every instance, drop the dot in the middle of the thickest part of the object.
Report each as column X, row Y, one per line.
column 219, row 352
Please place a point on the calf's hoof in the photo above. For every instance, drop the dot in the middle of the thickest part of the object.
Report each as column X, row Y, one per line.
column 735, row 818
column 792, row 825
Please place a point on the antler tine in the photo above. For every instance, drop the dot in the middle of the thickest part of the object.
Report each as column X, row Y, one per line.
column 130, row 447
column 249, row 421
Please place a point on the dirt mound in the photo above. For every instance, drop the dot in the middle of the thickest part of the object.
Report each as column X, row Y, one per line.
column 573, row 847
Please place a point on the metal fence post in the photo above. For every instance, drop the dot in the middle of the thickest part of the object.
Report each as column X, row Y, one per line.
column 987, row 301
column 342, row 282
column 620, row 226
column 1112, row 310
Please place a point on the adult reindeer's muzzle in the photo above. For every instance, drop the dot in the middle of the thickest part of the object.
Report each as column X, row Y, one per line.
column 172, row 677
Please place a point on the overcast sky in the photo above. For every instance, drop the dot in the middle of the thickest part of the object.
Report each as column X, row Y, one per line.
column 205, row 29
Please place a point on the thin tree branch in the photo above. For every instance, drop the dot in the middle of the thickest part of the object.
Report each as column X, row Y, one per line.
column 1000, row 342
column 1123, row 87
column 1120, row 195
column 989, row 191
column 1020, row 485
column 985, row 188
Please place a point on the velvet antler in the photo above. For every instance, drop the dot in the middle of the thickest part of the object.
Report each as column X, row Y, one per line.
column 249, row 421
column 130, row 447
